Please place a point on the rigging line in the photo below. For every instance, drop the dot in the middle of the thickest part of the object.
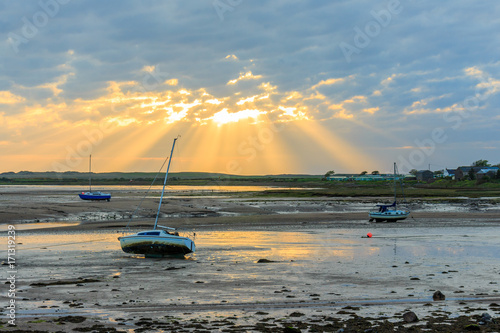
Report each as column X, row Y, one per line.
column 140, row 203
column 63, row 244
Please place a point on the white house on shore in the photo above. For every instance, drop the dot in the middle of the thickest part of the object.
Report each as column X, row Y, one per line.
column 364, row 177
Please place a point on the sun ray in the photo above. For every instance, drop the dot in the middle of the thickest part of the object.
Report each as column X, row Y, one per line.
column 340, row 150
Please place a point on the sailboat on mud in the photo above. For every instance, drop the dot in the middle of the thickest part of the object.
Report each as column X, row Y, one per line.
column 96, row 195
column 390, row 213
column 158, row 242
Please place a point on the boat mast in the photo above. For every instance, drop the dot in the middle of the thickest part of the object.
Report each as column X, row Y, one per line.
column 164, row 183
column 90, row 173
column 395, row 185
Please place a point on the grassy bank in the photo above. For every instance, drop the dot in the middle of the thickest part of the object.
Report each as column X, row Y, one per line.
column 313, row 186
column 412, row 189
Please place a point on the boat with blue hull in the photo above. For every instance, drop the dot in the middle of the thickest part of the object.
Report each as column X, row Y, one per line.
column 96, row 195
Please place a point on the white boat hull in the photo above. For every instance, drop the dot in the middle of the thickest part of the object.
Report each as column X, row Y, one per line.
column 164, row 244
column 389, row 215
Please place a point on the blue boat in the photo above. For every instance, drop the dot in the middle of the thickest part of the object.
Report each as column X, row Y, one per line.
column 97, row 195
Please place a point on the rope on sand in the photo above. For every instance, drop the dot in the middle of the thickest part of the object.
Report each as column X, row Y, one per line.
column 63, row 244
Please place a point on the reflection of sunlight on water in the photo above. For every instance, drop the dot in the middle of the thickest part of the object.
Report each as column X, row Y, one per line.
column 335, row 264
column 27, row 226
column 290, row 245
column 67, row 242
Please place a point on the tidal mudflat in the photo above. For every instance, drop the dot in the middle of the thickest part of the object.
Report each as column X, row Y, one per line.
column 262, row 270
column 307, row 274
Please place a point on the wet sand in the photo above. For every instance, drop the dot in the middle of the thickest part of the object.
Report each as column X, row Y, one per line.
column 322, row 275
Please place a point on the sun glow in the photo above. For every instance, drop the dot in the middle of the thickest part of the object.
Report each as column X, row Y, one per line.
column 126, row 128
column 224, row 117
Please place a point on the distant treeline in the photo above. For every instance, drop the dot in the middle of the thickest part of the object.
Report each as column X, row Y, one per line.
column 140, row 178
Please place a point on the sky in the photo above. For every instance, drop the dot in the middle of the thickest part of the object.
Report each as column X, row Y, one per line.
column 251, row 87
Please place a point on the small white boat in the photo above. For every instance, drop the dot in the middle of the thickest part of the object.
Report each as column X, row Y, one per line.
column 389, row 213
column 156, row 242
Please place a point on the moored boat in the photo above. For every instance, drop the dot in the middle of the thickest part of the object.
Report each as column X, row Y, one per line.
column 389, row 213
column 96, row 195
column 156, row 242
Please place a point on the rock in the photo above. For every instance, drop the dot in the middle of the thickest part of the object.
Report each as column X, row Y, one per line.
column 438, row 296
column 291, row 330
column 485, row 319
column 264, row 261
column 410, row 317
column 72, row 319
column 472, row 327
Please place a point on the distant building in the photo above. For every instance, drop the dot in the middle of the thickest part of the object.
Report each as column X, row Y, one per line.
column 463, row 172
column 449, row 173
column 364, row 177
column 338, row 178
column 487, row 172
column 424, row 175
column 478, row 171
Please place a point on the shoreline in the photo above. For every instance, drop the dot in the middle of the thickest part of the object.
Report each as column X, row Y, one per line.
column 232, row 209
column 282, row 221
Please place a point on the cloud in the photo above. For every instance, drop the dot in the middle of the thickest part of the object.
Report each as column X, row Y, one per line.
column 6, row 97
column 245, row 76
column 231, row 57
column 172, row 82
column 327, row 82
column 223, row 117
column 371, row 110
